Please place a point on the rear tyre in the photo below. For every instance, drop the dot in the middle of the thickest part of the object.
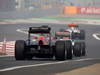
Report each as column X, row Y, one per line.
column 82, row 34
column 83, row 48
column 20, row 50
column 77, row 49
column 68, row 50
column 60, row 50
column 29, row 57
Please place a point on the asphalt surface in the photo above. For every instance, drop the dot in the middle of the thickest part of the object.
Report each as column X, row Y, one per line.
column 10, row 33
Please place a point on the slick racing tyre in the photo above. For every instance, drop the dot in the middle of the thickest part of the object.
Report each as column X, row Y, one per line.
column 29, row 57
column 83, row 48
column 60, row 50
column 77, row 49
column 68, row 49
column 20, row 50
column 82, row 34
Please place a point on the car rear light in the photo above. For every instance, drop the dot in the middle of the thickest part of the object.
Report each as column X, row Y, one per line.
column 41, row 38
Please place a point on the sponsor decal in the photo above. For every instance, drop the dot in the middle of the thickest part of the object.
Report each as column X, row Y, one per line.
column 89, row 10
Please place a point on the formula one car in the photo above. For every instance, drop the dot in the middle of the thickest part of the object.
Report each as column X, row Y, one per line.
column 76, row 37
column 65, row 38
column 41, row 44
column 76, row 32
column 72, row 47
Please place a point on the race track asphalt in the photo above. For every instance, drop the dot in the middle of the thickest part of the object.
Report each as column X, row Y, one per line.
column 9, row 32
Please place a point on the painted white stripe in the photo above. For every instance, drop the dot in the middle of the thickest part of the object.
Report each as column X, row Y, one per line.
column 10, row 51
column 21, row 31
column 44, row 64
column 10, row 44
column 10, row 48
column 96, row 36
column 85, row 59
column 25, row 32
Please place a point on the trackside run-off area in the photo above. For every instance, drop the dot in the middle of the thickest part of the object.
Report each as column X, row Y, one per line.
column 7, row 48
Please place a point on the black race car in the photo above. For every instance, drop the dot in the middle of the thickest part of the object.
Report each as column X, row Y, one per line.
column 41, row 44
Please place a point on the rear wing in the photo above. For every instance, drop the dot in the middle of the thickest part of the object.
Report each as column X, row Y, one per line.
column 41, row 29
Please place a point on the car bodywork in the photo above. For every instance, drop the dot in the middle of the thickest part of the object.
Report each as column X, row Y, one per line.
column 76, row 36
column 42, row 44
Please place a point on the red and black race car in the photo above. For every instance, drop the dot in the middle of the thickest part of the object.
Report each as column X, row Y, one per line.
column 42, row 44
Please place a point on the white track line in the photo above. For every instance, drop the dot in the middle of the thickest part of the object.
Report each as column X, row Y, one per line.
column 95, row 36
column 21, row 31
column 25, row 32
column 44, row 64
